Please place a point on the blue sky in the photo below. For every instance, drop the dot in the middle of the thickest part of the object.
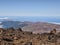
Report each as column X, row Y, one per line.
column 29, row 8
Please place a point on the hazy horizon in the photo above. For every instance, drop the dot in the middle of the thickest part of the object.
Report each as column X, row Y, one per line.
column 31, row 19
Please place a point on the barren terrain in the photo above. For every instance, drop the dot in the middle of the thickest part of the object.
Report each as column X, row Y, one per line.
column 13, row 36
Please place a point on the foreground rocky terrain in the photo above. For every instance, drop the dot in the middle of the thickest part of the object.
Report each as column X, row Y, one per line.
column 13, row 36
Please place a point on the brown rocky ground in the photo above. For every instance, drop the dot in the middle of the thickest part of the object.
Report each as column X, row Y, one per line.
column 18, row 37
column 41, row 27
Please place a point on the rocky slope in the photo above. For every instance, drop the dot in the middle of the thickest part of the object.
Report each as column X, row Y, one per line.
column 18, row 37
column 40, row 27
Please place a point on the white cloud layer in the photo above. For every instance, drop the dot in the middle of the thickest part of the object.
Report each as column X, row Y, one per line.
column 4, row 18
